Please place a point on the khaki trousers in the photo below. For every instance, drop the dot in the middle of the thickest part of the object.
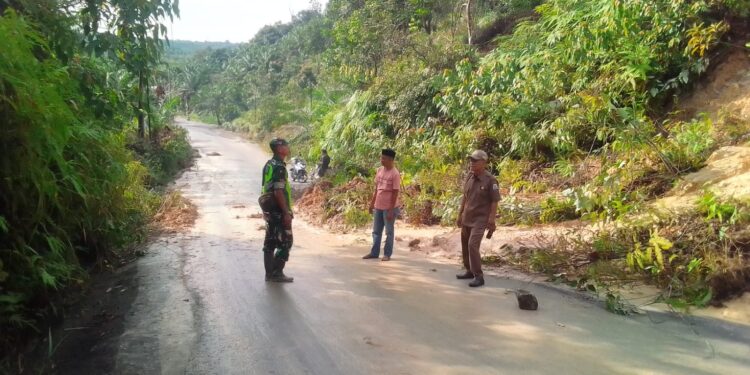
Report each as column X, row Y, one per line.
column 471, row 238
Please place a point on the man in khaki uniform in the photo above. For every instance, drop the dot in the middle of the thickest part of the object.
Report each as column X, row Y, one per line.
column 477, row 214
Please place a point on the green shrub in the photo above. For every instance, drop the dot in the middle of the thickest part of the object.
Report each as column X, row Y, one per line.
column 70, row 192
column 554, row 210
column 513, row 212
column 166, row 158
column 546, row 261
column 586, row 71
column 690, row 144
column 356, row 217
column 711, row 207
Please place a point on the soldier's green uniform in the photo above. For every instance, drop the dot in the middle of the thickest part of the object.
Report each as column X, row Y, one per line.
column 278, row 240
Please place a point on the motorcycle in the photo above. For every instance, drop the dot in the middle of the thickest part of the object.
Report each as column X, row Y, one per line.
column 299, row 170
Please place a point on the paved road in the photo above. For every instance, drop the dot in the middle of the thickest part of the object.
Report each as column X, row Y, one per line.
column 203, row 307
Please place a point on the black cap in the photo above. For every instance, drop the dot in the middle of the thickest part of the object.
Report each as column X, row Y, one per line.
column 390, row 153
column 278, row 142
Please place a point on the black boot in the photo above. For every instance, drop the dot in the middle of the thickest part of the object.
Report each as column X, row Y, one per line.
column 478, row 281
column 465, row 275
column 278, row 274
column 268, row 264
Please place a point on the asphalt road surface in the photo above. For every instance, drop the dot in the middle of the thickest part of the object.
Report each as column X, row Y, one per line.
column 203, row 307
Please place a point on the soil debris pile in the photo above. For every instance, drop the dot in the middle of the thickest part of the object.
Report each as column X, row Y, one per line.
column 727, row 174
column 175, row 215
column 725, row 92
column 340, row 208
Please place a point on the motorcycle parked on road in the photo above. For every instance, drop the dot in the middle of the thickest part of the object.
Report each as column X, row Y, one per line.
column 298, row 171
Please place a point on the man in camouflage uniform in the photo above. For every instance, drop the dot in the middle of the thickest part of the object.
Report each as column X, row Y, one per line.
column 279, row 238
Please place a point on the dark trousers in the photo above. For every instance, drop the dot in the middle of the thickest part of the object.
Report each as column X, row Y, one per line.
column 471, row 238
column 277, row 244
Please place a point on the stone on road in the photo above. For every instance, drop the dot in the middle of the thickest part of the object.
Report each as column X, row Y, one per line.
column 203, row 306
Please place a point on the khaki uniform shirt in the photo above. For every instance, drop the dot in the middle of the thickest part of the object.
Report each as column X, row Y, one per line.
column 479, row 193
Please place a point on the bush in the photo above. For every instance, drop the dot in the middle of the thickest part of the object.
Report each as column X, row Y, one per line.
column 166, row 157
column 696, row 258
column 356, row 217
column 70, row 191
column 585, row 72
column 690, row 144
column 554, row 210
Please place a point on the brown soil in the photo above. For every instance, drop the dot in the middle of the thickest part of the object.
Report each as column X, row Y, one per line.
column 175, row 214
column 318, row 204
column 727, row 174
column 313, row 201
column 725, row 91
column 506, row 245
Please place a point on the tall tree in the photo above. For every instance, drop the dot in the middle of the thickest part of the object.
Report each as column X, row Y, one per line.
column 469, row 20
column 134, row 32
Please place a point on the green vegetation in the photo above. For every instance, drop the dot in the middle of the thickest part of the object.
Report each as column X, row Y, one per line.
column 78, row 166
column 180, row 50
column 696, row 258
column 571, row 99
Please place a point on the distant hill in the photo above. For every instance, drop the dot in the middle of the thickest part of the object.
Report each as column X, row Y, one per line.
column 181, row 49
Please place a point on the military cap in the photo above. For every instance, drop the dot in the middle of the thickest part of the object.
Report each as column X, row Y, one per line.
column 278, row 142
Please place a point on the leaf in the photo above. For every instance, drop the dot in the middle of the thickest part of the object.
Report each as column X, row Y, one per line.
column 677, row 303
column 659, row 242
column 12, row 299
column 684, row 76
column 48, row 279
column 659, row 258
column 705, row 299
column 694, row 264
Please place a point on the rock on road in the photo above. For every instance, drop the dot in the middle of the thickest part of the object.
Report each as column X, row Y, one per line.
column 203, row 307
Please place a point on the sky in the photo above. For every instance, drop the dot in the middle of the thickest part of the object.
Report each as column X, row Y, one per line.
column 232, row 20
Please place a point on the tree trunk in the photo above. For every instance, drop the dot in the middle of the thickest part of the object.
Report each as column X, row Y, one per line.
column 310, row 94
column 152, row 133
column 469, row 20
column 186, row 104
column 141, row 119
